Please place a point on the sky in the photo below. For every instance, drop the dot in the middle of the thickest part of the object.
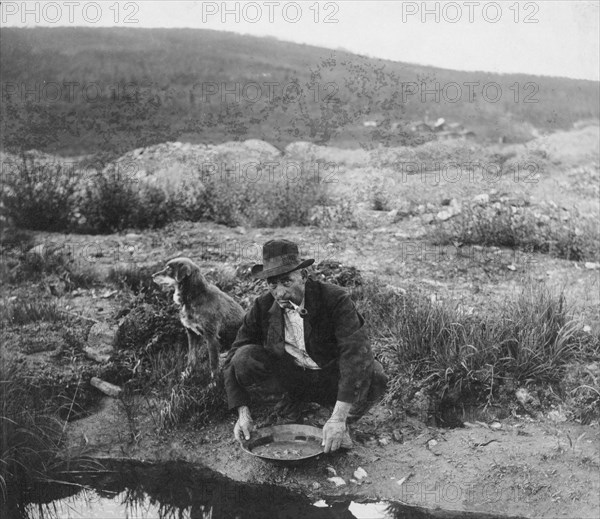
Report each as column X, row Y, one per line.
column 548, row 37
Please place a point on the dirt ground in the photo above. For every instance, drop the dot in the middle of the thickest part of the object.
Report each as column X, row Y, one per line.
column 532, row 466
column 518, row 466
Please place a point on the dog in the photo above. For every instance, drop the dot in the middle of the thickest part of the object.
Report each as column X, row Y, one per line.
column 206, row 313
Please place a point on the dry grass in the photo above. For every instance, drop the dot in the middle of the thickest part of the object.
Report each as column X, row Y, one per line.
column 530, row 338
column 515, row 223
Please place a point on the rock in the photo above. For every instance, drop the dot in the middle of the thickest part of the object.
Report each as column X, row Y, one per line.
column 397, row 435
column 331, row 470
column 95, row 356
column 401, row 481
column 262, row 147
column 587, row 328
column 454, row 209
column 360, row 473
column 557, row 415
column 495, row 426
column 315, row 485
column 38, row 250
column 384, row 441
column 432, row 443
column 393, row 213
column 100, row 342
column 445, row 215
column 523, row 396
column 591, row 266
column 106, row 387
column 481, row 199
column 420, row 406
column 337, row 481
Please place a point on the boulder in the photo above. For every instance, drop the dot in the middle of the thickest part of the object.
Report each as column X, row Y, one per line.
column 100, row 342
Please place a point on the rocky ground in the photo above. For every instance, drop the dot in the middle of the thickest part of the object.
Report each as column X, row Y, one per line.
column 535, row 464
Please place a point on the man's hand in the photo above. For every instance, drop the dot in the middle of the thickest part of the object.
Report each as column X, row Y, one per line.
column 335, row 428
column 333, row 434
column 244, row 425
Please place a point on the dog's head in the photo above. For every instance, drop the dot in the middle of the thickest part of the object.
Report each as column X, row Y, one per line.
column 175, row 272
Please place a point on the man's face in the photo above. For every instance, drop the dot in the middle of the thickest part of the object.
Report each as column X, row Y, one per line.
column 287, row 287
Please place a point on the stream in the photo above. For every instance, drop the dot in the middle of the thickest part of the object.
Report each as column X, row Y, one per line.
column 125, row 489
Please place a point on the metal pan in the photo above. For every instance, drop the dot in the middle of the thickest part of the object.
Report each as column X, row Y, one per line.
column 285, row 444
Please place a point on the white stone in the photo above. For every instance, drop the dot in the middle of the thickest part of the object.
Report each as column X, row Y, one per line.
column 360, row 473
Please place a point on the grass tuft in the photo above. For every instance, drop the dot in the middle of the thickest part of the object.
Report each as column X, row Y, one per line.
column 24, row 312
column 30, row 440
column 530, row 338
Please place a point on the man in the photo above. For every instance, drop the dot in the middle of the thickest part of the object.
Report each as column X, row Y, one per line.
column 310, row 337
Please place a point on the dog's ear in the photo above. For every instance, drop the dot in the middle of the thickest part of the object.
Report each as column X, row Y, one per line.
column 182, row 271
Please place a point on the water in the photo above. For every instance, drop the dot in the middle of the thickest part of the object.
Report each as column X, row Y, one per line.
column 178, row 490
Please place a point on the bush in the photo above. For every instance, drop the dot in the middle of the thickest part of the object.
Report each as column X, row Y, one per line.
column 546, row 229
column 112, row 202
column 379, row 196
column 263, row 203
column 44, row 197
column 38, row 196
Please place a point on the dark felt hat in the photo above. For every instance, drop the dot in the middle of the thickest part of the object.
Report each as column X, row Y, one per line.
column 280, row 257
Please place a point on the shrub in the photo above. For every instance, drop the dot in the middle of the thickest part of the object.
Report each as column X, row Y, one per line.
column 113, row 202
column 284, row 204
column 379, row 196
column 276, row 203
column 38, row 196
column 546, row 229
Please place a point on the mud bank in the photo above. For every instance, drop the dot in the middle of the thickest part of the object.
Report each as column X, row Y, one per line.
column 517, row 467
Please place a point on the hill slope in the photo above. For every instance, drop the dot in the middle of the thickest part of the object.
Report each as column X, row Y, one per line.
column 80, row 90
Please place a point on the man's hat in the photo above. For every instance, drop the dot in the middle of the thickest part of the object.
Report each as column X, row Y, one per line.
column 279, row 257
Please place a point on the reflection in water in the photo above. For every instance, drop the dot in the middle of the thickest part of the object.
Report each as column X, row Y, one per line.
column 178, row 490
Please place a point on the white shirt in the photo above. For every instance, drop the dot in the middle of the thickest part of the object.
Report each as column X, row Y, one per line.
column 294, row 339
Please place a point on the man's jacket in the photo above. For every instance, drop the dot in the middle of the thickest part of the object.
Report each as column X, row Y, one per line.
column 334, row 334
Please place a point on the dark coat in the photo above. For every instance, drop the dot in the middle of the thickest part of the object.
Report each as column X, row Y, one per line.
column 334, row 334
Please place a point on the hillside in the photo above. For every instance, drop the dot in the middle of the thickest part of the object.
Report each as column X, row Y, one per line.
column 79, row 90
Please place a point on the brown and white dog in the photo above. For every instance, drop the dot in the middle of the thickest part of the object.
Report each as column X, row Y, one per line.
column 206, row 312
